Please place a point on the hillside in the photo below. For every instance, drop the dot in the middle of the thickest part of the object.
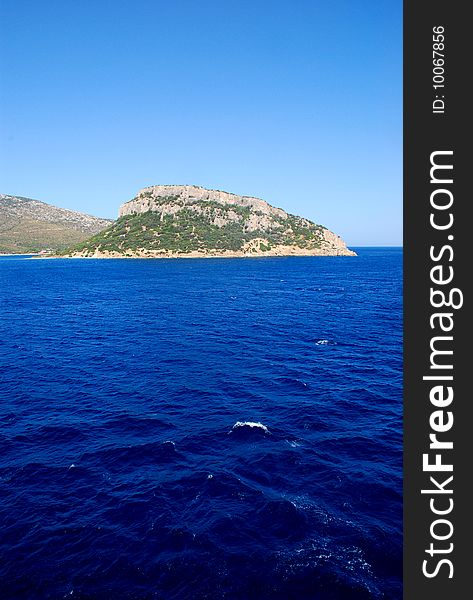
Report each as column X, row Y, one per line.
column 28, row 225
column 171, row 220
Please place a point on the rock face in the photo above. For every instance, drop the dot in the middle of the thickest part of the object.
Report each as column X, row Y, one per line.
column 191, row 221
column 28, row 225
column 151, row 198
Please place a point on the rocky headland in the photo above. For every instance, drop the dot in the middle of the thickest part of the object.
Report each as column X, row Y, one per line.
column 172, row 221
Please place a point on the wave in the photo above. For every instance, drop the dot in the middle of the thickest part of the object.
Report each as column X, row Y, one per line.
column 324, row 342
column 249, row 425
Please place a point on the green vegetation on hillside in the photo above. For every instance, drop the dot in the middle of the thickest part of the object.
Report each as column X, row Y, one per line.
column 200, row 226
column 29, row 236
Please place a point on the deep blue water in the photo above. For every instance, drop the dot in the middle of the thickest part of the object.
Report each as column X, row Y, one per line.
column 122, row 471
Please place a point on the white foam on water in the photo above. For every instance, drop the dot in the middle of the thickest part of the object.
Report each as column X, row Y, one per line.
column 321, row 343
column 252, row 424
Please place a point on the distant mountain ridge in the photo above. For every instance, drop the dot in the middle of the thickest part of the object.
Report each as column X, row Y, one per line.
column 192, row 221
column 28, row 225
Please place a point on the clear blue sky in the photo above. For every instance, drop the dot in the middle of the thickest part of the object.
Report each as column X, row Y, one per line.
column 298, row 102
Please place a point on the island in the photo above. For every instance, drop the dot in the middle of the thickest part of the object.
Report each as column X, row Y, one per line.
column 176, row 221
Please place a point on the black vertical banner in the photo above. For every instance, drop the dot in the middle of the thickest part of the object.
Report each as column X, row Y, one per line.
column 438, row 440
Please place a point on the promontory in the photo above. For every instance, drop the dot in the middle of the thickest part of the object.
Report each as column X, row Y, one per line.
column 171, row 221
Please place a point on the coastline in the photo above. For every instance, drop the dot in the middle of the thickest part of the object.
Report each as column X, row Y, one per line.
column 19, row 254
column 276, row 252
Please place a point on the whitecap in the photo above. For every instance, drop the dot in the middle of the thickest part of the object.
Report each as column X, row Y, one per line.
column 251, row 424
column 321, row 342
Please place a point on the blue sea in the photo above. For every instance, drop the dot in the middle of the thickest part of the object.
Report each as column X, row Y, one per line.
column 201, row 428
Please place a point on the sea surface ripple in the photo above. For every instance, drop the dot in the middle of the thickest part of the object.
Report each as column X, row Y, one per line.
column 201, row 429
